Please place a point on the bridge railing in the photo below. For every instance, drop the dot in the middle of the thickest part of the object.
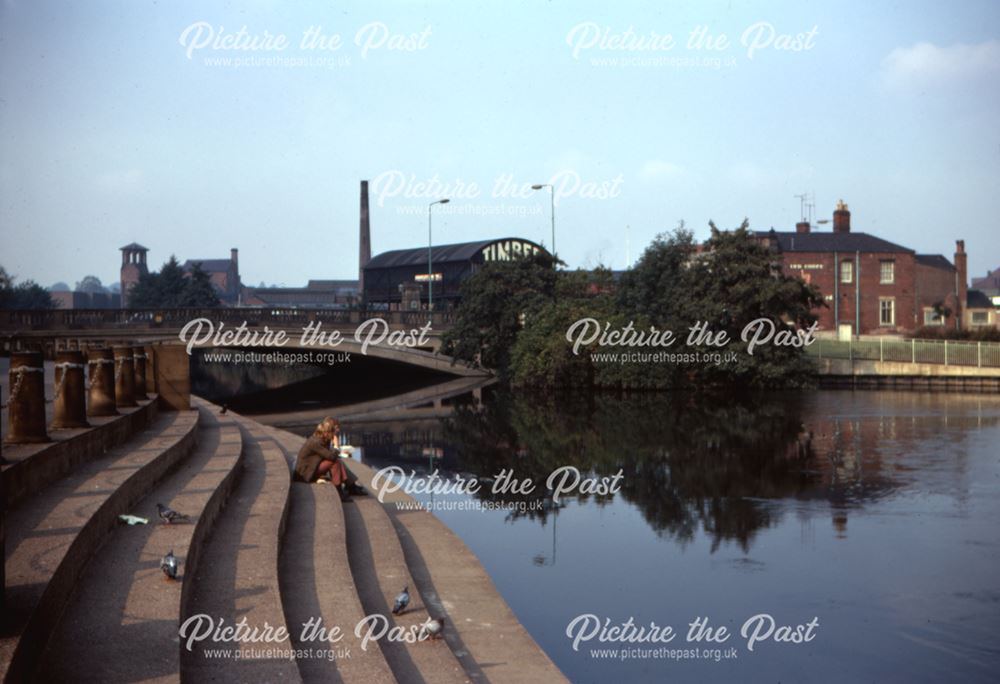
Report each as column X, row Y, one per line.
column 276, row 317
column 945, row 352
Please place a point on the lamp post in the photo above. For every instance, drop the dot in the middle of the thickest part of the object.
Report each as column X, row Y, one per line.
column 430, row 269
column 552, row 204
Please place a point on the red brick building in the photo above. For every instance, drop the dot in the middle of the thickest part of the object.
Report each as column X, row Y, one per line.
column 871, row 285
column 224, row 274
column 133, row 266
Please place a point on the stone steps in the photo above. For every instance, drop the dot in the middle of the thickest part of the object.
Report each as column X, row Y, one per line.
column 316, row 582
column 482, row 630
column 52, row 534
column 380, row 573
column 237, row 574
column 122, row 621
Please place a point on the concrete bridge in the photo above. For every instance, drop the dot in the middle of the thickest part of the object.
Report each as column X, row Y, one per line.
column 411, row 337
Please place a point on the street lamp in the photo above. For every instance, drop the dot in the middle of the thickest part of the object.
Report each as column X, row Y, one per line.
column 430, row 270
column 552, row 200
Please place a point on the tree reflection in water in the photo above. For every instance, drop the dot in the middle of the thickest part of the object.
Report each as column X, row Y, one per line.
column 687, row 460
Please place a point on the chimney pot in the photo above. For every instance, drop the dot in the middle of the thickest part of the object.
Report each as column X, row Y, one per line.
column 841, row 218
column 802, row 227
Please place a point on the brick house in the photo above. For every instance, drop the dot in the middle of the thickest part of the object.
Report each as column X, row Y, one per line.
column 224, row 274
column 871, row 285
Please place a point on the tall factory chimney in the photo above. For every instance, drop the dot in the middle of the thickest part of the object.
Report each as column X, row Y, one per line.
column 365, row 240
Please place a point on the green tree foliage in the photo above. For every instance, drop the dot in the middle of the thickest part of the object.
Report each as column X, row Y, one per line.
column 26, row 295
column 90, row 283
column 171, row 288
column 496, row 301
column 728, row 282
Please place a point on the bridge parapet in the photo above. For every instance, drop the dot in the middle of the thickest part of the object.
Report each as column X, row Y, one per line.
column 158, row 319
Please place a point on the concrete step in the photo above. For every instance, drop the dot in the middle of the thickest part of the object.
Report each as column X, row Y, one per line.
column 122, row 621
column 316, row 582
column 34, row 466
column 53, row 534
column 237, row 574
column 380, row 573
column 482, row 631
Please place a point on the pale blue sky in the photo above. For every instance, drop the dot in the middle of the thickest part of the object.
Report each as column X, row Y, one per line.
column 110, row 134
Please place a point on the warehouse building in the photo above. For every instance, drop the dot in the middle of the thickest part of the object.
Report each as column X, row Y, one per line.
column 399, row 279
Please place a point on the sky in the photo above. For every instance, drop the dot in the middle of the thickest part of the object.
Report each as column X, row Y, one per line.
column 195, row 127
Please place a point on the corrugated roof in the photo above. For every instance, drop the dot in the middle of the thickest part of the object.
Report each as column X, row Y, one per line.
column 461, row 251
column 935, row 261
column 792, row 241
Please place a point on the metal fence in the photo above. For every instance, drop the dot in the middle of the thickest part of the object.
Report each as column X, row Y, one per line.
column 946, row 352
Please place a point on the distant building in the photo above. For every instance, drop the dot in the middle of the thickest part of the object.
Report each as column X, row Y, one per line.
column 989, row 285
column 224, row 274
column 871, row 285
column 317, row 294
column 133, row 266
column 65, row 299
column 399, row 279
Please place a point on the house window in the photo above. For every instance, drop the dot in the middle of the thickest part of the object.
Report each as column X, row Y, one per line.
column 932, row 317
column 980, row 317
column 887, row 272
column 846, row 271
column 887, row 311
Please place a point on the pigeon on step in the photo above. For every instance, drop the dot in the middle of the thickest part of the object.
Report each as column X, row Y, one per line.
column 402, row 601
column 431, row 628
column 169, row 515
column 225, row 407
column 169, row 565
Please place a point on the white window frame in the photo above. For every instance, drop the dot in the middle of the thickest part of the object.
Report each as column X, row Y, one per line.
column 846, row 269
column 891, row 301
column 882, row 264
column 985, row 314
column 932, row 317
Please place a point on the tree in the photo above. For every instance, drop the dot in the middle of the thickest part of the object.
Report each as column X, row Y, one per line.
column 59, row 287
column 26, row 295
column 91, row 284
column 199, row 291
column 171, row 288
column 495, row 302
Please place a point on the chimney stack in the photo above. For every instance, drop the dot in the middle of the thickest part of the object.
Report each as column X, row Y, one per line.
column 365, row 241
column 961, row 282
column 234, row 256
column 802, row 227
column 841, row 218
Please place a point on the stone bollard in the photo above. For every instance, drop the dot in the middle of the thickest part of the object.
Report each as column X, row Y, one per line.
column 101, row 371
column 139, row 366
column 26, row 401
column 70, row 402
column 150, row 370
column 124, row 378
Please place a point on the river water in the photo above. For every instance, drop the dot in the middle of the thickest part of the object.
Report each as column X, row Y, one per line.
column 872, row 515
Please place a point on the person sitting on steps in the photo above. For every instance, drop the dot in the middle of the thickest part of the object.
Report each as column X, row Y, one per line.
column 319, row 460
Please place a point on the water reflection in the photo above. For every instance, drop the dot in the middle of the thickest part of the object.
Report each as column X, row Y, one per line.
column 874, row 511
column 690, row 463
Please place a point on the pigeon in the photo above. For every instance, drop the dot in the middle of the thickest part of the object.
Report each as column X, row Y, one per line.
column 402, row 601
column 225, row 407
column 169, row 515
column 432, row 629
column 169, row 565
